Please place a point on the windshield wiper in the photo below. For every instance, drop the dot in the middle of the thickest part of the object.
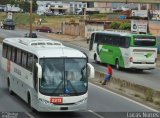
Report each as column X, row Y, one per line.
column 58, row 86
column 72, row 87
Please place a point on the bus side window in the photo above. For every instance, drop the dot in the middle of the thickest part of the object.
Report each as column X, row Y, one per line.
column 108, row 40
column 13, row 54
column 116, row 41
column 24, row 59
column 9, row 52
column 18, row 59
column 124, row 42
column 4, row 53
column 91, row 42
column 30, row 62
column 35, row 84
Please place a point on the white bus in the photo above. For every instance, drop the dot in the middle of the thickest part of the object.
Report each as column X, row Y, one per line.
column 46, row 74
column 123, row 49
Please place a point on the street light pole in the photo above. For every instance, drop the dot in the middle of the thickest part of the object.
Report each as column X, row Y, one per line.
column 30, row 33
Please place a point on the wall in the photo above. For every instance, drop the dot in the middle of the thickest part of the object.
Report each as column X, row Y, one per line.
column 84, row 29
column 74, row 29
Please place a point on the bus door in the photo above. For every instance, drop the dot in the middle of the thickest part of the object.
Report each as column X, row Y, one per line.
column 91, row 46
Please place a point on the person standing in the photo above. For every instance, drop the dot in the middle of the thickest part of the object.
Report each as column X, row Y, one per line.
column 1, row 23
column 108, row 75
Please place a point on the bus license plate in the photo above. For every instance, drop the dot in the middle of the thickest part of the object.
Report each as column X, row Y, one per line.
column 143, row 62
column 56, row 100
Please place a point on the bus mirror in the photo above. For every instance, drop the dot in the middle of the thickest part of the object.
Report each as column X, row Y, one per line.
column 90, row 70
column 39, row 71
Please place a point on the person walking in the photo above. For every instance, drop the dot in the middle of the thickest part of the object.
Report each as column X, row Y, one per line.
column 108, row 75
column 1, row 24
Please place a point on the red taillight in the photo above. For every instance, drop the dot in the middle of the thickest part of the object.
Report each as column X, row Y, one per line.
column 131, row 59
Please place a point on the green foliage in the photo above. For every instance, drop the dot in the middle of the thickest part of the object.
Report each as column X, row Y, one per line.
column 4, row 2
column 137, row 95
column 115, row 25
column 157, row 103
column 25, row 6
column 1, row 39
column 120, row 25
column 24, row 18
column 125, row 26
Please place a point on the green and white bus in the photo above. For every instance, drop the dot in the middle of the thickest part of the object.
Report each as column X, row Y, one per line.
column 124, row 50
column 46, row 74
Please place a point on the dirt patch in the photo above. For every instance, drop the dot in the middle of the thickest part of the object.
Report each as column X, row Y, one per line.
column 61, row 37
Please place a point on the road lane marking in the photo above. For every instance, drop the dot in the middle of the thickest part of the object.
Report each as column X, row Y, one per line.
column 28, row 114
column 96, row 114
column 154, row 110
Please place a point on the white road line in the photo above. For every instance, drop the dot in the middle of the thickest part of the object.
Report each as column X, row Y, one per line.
column 28, row 114
column 96, row 114
column 154, row 110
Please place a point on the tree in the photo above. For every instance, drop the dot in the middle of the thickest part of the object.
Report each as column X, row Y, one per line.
column 25, row 5
column 35, row 6
column 4, row 2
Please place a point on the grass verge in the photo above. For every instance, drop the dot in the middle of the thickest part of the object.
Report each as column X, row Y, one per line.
column 1, row 39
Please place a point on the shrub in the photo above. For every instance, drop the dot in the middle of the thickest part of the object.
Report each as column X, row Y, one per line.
column 125, row 26
column 115, row 25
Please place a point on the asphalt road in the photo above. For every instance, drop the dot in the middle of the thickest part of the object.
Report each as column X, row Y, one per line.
column 149, row 78
column 101, row 103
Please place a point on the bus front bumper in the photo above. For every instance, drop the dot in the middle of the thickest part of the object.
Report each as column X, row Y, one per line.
column 142, row 66
column 49, row 107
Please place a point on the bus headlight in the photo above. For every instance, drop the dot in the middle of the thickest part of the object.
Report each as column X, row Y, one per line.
column 44, row 101
column 81, row 101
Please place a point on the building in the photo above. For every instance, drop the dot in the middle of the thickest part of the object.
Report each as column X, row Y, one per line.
column 2, row 8
column 59, row 8
column 98, row 7
column 77, row 7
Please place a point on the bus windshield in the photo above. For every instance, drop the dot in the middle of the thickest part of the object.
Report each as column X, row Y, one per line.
column 144, row 40
column 63, row 76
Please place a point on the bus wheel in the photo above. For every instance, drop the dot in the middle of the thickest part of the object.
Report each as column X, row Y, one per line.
column 95, row 58
column 9, row 88
column 139, row 70
column 117, row 64
column 29, row 102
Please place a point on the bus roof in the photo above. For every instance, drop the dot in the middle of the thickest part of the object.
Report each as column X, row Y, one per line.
column 44, row 48
column 121, row 33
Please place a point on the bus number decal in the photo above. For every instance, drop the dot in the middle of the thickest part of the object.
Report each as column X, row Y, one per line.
column 56, row 100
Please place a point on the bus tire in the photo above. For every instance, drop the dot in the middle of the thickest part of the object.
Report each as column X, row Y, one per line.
column 95, row 58
column 139, row 70
column 29, row 102
column 9, row 87
column 117, row 64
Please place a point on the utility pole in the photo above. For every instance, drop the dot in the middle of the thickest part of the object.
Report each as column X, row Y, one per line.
column 30, row 33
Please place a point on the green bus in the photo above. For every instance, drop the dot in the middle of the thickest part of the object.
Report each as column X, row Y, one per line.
column 123, row 49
